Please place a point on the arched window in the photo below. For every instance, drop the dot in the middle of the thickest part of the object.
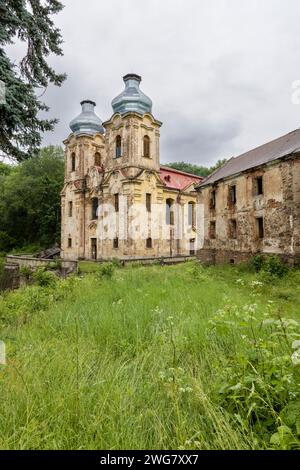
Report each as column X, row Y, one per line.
column 191, row 214
column 73, row 162
column 147, row 146
column 169, row 212
column 97, row 161
column 118, row 146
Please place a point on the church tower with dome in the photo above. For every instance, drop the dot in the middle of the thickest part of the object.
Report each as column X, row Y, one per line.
column 117, row 200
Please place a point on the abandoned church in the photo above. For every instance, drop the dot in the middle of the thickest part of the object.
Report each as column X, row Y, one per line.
column 119, row 202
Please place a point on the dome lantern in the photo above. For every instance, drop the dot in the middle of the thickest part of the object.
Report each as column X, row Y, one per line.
column 87, row 122
column 132, row 99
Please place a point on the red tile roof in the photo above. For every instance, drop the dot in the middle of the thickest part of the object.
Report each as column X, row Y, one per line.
column 175, row 179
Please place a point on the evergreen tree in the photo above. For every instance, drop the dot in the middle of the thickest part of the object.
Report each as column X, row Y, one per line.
column 29, row 21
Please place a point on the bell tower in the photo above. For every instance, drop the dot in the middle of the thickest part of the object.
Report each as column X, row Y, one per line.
column 132, row 133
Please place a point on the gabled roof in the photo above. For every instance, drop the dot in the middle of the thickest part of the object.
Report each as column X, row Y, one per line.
column 175, row 179
column 284, row 146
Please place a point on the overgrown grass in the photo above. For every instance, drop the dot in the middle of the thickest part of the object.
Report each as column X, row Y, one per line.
column 152, row 358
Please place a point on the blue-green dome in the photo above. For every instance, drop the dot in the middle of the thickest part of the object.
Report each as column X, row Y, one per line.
column 87, row 122
column 132, row 99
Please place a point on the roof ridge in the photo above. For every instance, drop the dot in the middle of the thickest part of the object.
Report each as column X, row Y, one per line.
column 162, row 167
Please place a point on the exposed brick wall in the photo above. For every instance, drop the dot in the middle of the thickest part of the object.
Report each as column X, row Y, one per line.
column 278, row 206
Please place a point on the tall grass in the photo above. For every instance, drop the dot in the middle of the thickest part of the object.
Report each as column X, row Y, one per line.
column 138, row 361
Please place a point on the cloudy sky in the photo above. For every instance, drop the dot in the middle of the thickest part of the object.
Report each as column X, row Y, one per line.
column 219, row 72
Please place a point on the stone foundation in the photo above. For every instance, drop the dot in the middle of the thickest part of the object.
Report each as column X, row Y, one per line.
column 211, row 256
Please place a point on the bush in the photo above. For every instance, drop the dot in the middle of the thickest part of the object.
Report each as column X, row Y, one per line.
column 44, row 278
column 106, row 270
column 269, row 266
column 274, row 267
column 26, row 272
column 256, row 263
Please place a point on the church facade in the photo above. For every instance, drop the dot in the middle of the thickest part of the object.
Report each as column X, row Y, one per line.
column 117, row 200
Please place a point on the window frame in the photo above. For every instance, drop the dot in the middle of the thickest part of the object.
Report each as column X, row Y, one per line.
column 94, row 214
column 146, row 146
column 118, row 146
column 73, row 162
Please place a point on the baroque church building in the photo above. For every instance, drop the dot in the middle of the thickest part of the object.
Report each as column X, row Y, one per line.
column 117, row 200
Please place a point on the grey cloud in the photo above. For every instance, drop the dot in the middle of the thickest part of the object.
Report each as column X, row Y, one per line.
column 219, row 72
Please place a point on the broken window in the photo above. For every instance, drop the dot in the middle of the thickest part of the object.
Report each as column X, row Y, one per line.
column 260, row 227
column 191, row 214
column 259, row 185
column 232, row 195
column 73, row 162
column 212, row 230
column 146, row 143
column 70, row 208
column 116, row 242
column 213, row 199
column 148, row 202
column 118, row 146
column 169, row 212
column 94, row 208
column 97, row 160
column 149, row 242
column 233, row 229
column 117, row 202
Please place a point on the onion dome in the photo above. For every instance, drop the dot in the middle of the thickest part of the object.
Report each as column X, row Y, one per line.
column 87, row 122
column 132, row 99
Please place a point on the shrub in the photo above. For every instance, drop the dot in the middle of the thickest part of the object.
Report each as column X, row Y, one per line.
column 256, row 263
column 26, row 272
column 274, row 267
column 44, row 278
column 106, row 270
column 116, row 263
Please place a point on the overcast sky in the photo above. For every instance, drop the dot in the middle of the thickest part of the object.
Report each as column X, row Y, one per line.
column 219, row 72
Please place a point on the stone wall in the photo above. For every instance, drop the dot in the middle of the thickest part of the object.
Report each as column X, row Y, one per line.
column 278, row 206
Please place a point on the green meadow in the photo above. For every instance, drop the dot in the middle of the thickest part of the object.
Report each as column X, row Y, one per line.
column 156, row 357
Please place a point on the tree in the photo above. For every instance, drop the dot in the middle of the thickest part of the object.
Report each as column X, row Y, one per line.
column 196, row 169
column 30, row 202
column 29, row 21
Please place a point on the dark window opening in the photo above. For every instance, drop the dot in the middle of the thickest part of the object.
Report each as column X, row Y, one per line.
column 191, row 214
column 94, row 248
column 148, row 202
column 233, row 229
column 146, row 146
column 94, row 208
column 169, row 212
column 232, row 195
column 117, row 202
column 213, row 199
column 212, row 230
column 69, row 242
column 259, row 186
column 116, row 242
column 97, row 161
column 73, row 162
column 260, row 227
column 192, row 246
column 70, row 208
column 149, row 242
column 118, row 146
